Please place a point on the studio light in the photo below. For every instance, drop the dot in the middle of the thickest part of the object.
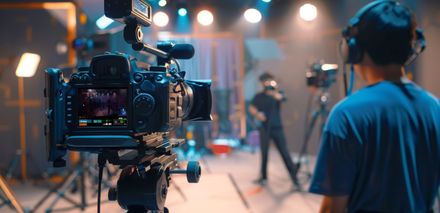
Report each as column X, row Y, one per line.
column 308, row 12
column 205, row 18
column 252, row 15
column 182, row 12
column 28, row 65
column 267, row 1
column 162, row 3
column 327, row 67
column 161, row 19
column 103, row 22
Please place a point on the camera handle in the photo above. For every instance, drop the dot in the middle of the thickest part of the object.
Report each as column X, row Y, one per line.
column 133, row 35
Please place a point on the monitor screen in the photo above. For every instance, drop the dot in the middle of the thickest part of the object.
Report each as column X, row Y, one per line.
column 102, row 107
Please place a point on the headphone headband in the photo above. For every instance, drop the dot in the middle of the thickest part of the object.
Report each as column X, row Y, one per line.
column 354, row 53
column 356, row 19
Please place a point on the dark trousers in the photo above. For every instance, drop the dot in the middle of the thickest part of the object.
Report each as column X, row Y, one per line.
column 277, row 135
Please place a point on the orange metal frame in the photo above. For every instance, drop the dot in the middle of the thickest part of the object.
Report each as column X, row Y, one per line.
column 71, row 34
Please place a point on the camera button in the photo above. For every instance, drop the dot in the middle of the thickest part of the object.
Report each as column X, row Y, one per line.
column 147, row 86
column 138, row 78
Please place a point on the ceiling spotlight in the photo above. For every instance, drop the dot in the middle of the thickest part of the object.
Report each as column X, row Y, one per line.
column 267, row 1
column 182, row 12
column 252, row 15
column 308, row 12
column 162, row 3
column 28, row 65
column 205, row 18
column 103, row 22
column 161, row 19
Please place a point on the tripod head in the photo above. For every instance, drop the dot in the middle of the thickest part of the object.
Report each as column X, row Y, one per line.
column 146, row 173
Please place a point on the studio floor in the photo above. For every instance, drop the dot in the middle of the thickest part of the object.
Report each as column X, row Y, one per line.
column 226, row 186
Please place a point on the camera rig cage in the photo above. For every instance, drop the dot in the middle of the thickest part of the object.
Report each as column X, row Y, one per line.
column 124, row 112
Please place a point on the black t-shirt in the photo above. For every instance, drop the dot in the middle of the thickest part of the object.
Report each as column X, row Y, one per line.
column 271, row 109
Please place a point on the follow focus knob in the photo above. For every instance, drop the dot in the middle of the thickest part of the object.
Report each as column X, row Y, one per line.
column 144, row 104
column 193, row 172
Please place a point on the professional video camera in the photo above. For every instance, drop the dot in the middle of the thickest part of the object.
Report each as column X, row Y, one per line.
column 124, row 112
column 321, row 75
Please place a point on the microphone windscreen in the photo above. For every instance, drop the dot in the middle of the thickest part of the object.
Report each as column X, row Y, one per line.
column 182, row 51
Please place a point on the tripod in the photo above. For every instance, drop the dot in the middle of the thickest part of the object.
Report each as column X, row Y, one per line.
column 9, row 198
column 319, row 112
column 76, row 179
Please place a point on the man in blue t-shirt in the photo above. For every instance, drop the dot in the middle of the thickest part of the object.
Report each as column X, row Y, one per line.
column 380, row 149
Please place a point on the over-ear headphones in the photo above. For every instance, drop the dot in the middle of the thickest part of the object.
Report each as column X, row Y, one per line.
column 350, row 50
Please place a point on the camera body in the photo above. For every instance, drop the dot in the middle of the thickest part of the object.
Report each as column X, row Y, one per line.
column 321, row 75
column 112, row 104
column 123, row 110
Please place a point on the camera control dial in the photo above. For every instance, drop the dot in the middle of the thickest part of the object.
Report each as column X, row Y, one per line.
column 144, row 104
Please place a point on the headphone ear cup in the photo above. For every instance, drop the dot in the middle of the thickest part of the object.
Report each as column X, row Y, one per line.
column 354, row 51
column 344, row 51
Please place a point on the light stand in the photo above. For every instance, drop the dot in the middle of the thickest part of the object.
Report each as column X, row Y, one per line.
column 76, row 179
column 9, row 197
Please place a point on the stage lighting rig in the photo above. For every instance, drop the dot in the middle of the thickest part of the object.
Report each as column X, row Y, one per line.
column 161, row 19
column 182, row 11
column 308, row 12
column 252, row 15
column 205, row 17
column 162, row 3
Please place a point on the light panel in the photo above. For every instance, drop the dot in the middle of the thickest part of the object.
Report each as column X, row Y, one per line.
column 28, row 65
column 103, row 22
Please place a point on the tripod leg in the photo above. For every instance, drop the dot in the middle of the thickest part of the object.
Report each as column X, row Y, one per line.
column 62, row 190
column 13, row 165
column 83, row 189
column 307, row 136
column 10, row 196
column 3, row 201
column 52, row 191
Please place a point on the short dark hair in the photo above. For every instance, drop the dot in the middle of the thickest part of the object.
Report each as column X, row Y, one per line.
column 266, row 76
column 387, row 32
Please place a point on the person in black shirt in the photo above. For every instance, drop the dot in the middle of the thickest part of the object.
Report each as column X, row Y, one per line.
column 266, row 109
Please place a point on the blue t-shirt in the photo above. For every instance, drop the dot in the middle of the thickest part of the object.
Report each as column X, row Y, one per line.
column 381, row 147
